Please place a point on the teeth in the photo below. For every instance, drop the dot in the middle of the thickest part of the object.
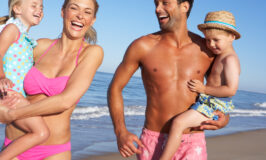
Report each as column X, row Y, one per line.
column 163, row 17
column 78, row 24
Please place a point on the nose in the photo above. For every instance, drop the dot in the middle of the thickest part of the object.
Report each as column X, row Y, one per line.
column 212, row 44
column 80, row 15
column 158, row 8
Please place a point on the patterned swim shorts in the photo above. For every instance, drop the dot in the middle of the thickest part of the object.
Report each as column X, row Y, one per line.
column 207, row 104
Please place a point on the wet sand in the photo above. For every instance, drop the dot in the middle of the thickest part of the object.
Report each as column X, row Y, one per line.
column 250, row 145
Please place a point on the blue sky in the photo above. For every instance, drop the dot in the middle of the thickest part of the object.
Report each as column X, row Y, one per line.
column 119, row 22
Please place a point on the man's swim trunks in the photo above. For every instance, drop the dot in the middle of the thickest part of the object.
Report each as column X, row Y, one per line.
column 192, row 147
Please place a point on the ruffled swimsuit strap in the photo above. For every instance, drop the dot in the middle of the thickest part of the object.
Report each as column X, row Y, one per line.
column 47, row 50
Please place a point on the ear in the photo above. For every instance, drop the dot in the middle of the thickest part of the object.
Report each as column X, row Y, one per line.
column 233, row 37
column 185, row 6
column 17, row 9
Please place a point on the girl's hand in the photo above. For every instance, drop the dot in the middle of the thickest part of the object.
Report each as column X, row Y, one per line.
column 5, row 84
column 14, row 100
column 196, row 86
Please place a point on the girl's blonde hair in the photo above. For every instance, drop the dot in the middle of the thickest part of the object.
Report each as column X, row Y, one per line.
column 11, row 13
column 91, row 34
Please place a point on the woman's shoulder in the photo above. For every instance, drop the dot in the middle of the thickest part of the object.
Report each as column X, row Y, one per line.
column 91, row 52
column 93, row 49
column 42, row 45
column 44, row 41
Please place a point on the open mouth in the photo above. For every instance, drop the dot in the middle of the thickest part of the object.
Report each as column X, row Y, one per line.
column 37, row 15
column 77, row 25
column 163, row 18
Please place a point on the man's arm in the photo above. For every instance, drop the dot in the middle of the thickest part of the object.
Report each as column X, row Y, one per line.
column 129, row 65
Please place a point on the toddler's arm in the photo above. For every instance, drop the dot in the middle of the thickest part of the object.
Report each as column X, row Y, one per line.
column 231, row 76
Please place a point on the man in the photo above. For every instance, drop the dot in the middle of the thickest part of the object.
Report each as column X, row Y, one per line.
column 168, row 60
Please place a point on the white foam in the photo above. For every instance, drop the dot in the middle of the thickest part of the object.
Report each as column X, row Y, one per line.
column 84, row 113
column 263, row 105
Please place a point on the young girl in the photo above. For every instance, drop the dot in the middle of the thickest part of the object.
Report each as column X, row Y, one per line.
column 222, row 82
column 16, row 51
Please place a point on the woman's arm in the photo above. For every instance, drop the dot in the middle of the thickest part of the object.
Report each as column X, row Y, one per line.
column 77, row 85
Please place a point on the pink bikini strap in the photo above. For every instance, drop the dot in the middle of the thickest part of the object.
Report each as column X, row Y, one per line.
column 79, row 53
column 47, row 51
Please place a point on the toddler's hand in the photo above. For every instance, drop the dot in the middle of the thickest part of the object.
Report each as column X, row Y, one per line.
column 196, row 86
column 14, row 100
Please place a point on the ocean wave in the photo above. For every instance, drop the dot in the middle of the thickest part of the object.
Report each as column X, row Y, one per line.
column 263, row 105
column 248, row 113
column 85, row 113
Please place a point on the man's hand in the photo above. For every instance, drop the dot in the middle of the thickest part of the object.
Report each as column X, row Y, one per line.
column 125, row 143
column 196, row 86
column 214, row 125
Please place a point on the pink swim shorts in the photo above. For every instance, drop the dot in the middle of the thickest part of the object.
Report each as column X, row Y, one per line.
column 192, row 147
column 41, row 152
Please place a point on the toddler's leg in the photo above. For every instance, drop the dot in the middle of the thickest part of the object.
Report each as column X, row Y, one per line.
column 37, row 133
column 190, row 118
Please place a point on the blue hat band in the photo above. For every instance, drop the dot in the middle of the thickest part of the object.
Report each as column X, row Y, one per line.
column 223, row 23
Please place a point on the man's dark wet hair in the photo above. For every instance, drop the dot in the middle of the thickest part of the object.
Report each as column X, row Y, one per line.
column 190, row 5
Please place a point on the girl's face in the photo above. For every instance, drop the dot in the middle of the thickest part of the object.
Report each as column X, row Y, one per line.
column 78, row 17
column 30, row 12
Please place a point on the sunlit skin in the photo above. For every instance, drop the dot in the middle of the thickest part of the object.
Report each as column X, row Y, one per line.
column 59, row 61
column 168, row 60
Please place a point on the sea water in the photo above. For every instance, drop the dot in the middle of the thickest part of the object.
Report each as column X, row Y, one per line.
column 92, row 129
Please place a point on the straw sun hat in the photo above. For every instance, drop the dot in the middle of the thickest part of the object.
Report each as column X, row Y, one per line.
column 220, row 20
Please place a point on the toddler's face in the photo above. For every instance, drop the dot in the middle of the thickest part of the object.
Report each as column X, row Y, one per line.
column 31, row 12
column 218, row 41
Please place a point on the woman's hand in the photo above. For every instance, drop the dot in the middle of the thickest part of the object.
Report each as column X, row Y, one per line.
column 196, row 86
column 5, row 117
column 10, row 102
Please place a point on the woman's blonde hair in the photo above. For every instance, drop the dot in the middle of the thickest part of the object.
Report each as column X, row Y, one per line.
column 91, row 34
column 11, row 13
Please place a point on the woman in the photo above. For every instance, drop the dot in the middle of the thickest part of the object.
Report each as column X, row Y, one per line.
column 63, row 71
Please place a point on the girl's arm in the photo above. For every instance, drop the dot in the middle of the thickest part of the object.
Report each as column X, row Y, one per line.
column 77, row 85
column 231, row 75
column 7, row 37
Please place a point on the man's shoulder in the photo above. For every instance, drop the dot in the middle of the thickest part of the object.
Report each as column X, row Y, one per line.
column 146, row 41
column 200, row 43
column 197, row 39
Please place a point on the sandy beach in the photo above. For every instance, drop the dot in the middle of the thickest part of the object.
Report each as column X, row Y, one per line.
column 250, row 145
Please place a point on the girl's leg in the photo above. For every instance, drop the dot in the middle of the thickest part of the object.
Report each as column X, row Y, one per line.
column 190, row 118
column 37, row 133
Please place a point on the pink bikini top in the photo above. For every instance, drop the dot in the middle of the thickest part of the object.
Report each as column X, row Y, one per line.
column 36, row 83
